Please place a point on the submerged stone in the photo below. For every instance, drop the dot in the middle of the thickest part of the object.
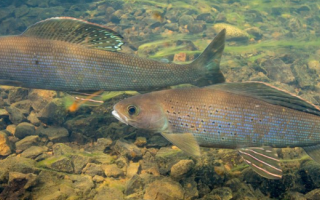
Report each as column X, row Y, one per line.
column 181, row 168
column 233, row 32
column 164, row 189
column 79, row 162
column 166, row 157
column 34, row 151
column 131, row 151
column 54, row 134
column 24, row 129
column 53, row 113
column 224, row 193
column 112, row 171
column 5, row 147
column 27, row 142
column 93, row 169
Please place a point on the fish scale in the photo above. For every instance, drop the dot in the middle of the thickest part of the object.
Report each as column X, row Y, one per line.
column 251, row 117
column 218, row 121
column 74, row 55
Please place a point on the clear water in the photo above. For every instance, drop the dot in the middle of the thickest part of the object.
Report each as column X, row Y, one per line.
column 274, row 41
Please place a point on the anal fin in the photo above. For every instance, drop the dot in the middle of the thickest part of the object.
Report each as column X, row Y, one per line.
column 313, row 152
column 263, row 160
column 184, row 141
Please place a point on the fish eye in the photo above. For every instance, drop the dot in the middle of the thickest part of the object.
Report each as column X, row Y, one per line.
column 132, row 110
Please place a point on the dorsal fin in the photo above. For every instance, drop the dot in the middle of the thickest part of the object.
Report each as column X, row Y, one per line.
column 76, row 31
column 269, row 94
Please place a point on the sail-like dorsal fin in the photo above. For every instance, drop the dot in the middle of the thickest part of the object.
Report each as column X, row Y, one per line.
column 269, row 94
column 76, row 31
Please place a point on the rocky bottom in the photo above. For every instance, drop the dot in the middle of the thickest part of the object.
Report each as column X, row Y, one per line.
column 48, row 153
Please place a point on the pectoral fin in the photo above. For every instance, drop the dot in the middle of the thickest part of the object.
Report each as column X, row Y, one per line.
column 263, row 160
column 184, row 141
column 313, row 152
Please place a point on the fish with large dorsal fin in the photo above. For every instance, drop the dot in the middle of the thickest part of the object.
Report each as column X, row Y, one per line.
column 251, row 117
column 68, row 54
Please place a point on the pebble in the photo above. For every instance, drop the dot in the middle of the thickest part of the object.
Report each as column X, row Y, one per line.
column 102, row 144
column 133, row 169
column 93, row 169
column 26, row 142
column 112, row 171
column 181, row 168
column 233, row 32
column 61, row 164
column 140, row 141
column 55, row 134
column 180, row 57
column 131, row 151
column 5, row 147
column 185, row 20
column 34, row 151
column 164, row 189
column 24, row 129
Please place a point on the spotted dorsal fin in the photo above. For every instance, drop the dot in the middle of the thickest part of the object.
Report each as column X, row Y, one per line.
column 76, row 31
column 269, row 94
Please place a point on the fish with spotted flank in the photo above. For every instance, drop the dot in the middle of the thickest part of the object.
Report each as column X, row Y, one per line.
column 69, row 54
column 251, row 117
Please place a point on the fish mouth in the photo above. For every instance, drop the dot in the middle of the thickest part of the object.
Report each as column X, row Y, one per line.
column 122, row 119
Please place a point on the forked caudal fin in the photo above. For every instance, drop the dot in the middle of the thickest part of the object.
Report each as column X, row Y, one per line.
column 209, row 61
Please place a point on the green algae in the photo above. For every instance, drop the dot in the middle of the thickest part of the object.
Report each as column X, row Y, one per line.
column 279, row 45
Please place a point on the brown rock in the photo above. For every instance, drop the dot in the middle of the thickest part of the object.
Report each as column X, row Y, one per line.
column 180, row 57
column 132, row 169
column 112, row 171
column 26, row 142
column 181, row 168
column 11, row 128
column 93, row 169
column 140, row 141
column 164, row 189
column 5, row 148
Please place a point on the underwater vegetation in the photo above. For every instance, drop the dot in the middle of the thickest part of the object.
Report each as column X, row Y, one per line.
column 48, row 152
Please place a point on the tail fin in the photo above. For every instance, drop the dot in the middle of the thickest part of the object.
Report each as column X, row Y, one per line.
column 209, row 61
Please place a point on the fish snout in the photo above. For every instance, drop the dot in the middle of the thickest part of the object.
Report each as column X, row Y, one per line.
column 120, row 117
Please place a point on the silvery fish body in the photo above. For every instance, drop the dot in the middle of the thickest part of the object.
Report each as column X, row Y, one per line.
column 219, row 118
column 251, row 117
column 73, row 55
